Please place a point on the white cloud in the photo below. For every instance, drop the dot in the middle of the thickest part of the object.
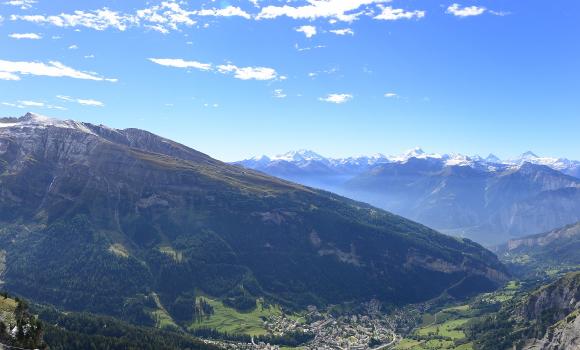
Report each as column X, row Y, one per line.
column 23, row 4
column 180, row 63
column 345, row 31
column 14, row 69
column 100, row 19
column 309, row 31
column 167, row 15
column 500, row 13
column 90, row 102
column 32, row 36
column 65, row 98
column 31, row 103
column 170, row 15
column 457, row 10
column 243, row 73
column 391, row 95
column 300, row 49
column 279, row 93
column 11, row 104
column 229, row 11
column 342, row 10
column 337, row 98
column 248, row 73
column 8, row 76
column 84, row 102
column 73, row 47
column 392, row 14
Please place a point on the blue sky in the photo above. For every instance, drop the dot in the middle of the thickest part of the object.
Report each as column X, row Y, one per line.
column 342, row 77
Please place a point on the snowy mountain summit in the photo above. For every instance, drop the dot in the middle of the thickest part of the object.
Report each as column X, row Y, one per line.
column 303, row 157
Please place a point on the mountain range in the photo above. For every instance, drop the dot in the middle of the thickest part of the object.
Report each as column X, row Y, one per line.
column 124, row 222
column 541, row 253
column 486, row 199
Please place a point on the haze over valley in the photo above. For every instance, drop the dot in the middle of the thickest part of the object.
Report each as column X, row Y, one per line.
column 486, row 199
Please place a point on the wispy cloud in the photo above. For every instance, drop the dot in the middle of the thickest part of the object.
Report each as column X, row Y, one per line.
column 29, row 103
column 309, row 31
column 467, row 11
column 31, row 36
column 391, row 95
column 13, row 70
column 279, row 93
column 230, row 11
column 8, row 76
column 308, row 48
column 344, row 31
column 337, row 98
column 23, row 4
column 181, row 63
column 389, row 13
column 243, row 73
column 100, row 19
column 81, row 101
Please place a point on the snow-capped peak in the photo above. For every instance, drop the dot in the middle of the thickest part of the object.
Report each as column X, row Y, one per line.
column 414, row 153
column 262, row 158
column 560, row 164
column 528, row 155
column 456, row 159
column 299, row 156
column 32, row 120
column 492, row 158
column 491, row 163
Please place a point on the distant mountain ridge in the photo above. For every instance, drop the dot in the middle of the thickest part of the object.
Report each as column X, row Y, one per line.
column 486, row 199
column 302, row 157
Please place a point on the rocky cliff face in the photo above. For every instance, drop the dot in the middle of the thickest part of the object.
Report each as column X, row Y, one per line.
column 562, row 336
column 555, row 310
column 553, row 302
column 545, row 239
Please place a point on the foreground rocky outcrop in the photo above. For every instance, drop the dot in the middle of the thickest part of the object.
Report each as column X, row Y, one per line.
column 564, row 335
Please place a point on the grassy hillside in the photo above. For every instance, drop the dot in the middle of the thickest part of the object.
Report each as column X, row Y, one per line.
column 450, row 326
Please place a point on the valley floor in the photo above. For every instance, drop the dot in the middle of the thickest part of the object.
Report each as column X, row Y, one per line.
column 437, row 325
